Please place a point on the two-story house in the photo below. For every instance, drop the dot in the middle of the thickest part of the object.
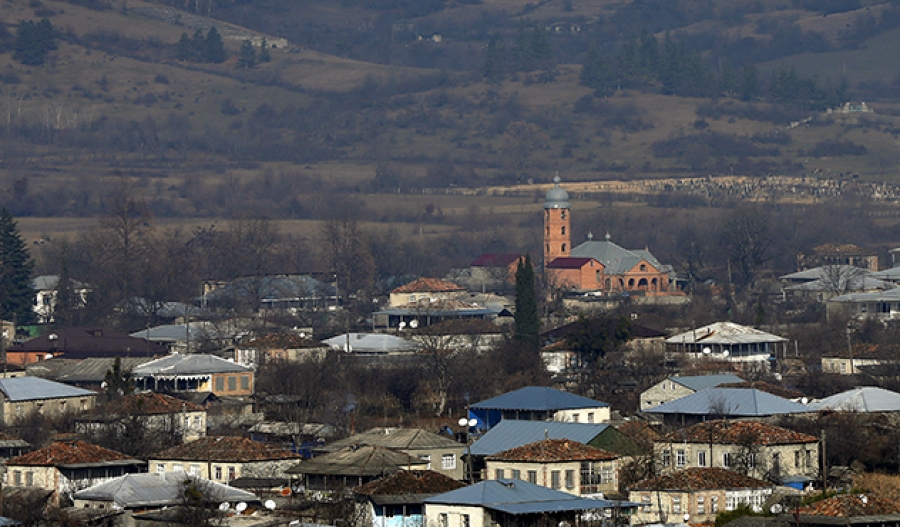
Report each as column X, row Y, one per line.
column 195, row 373
column 224, row 458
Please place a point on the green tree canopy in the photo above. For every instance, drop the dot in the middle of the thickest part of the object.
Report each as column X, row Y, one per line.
column 34, row 41
column 16, row 265
column 247, row 57
column 214, row 48
column 527, row 324
column 594, row 338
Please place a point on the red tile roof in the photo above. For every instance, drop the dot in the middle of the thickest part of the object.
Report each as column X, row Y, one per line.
column 284, row 341
column 224, row 448
column 410, row 482
column 495, row 260
column 737, row 432
column 67, row 453
column 554, row 450
column 639, row 431
column 428, row 285
column 147, row 404
column 693, row 479
column 570, row 263
column 849, row 505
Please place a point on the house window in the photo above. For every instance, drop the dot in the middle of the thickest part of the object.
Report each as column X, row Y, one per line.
column 412, row 298
column 730, row 503
column 232, row 472
column 194, row 470
column 714, row 504
column 516, row 474
column 666, row 457
column 554, row 480
column 220, row 384
column 218, row 473
column 427, row 459
column 590, row 417
column 198, row 422
column 726, row 460
column 178, row 468
column 62, row 406
column 701, row 458
column 532, row 476
column 562, row 214
column 84, row 405
column 442, row 519
column 680, row 458
column 232, row 383
column 576, row 417
column 20, row 410
column 562, row 230
column 648, row 505
column 808, row 459
column 245, row 382
column 448, row 461
column 389, row 512
column 160, row 468
column 643, row 267
column 676, row 504
column 464, row 520
column 751, row 460
column 40, row 408
column 701, row 505
column 498, row 474
column 606, row 475
column 563, row 247
column 570, row 479
column 797, row 459
column 17, row 478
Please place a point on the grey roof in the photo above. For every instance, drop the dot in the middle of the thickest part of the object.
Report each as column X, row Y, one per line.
column 285, row 428
column 738, row 402
column 35, row 388
column 818, row 273
column 864, row 399
column 92, row 370
column 380, row 342
column 888, row 274
column 193, row 364
column 49, row 282
column 702, row 382
column 397, row 439
column 509, row 434
column 843, row 283
column 891, row 295
column 183, row 332
column 615, row 259
column 514, row 496
column 538, row 398
column 158, row 490
column 273, row 288
column 362, row 461
column 557, row 197
column 724, row 333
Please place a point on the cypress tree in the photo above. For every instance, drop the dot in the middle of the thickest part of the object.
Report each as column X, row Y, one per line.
column 526, row 318
column 16, row 293
column 213, row 47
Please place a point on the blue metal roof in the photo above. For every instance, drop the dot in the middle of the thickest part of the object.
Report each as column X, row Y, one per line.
column 739, row 402
column 34, row 388
column 702, row 382
column 539, row 398
column 514, row 496
column 511, row 434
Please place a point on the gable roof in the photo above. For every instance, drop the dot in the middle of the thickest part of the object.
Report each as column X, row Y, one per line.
column 90, row 370
column 539, row 398
column 508, row 434
column 702, row 382
column 843, row 283
column 554, row 450
column 428, row 285
column 614, row 258
column 724, row 333
column 362, row 461
column 397, row 439
column 370, row 342
column 225, row 449
column 767, row 387
column 272, row 288
column 570, row 263
column 283, row 341
column 863, row 399
column 514, row 496
column 148, row 403
column 410, row 482
column 737, row 402
column 90, row 341
column 737, row 432
column 818, row 273
column 191, row 364
column 496, row 260
column 709, row 478
column 852, row 505
column 158, row 490
column 64, row 453
column 34, row 388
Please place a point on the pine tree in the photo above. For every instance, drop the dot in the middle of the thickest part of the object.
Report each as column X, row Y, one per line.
column 247, row 58
column 34, row 41
column 526, row 318
column 265, row 54
column 214, row 48
column 185, row 50
column 494, row 59
column 16, row 293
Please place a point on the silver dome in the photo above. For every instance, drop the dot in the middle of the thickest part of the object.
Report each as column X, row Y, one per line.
column 557, row 197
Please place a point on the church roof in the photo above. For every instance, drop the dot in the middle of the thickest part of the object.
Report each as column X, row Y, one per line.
column 557, row 197
column 568, row 263
column 615, row 259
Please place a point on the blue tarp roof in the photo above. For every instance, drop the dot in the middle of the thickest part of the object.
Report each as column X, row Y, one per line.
column 538, row 398
column 511, row 434
column 730, row 402
column 514, row 496
column 702, row 382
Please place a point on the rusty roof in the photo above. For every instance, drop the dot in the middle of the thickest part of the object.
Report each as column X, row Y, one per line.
column 428, row 285
column 284, row 341
column 639, row 431
column 849, row 505
column 693, row 479
column 224, row 448
column 410, row 482
column 735, row 432
column 148, row 403
column 68, row 453
column 554, row 450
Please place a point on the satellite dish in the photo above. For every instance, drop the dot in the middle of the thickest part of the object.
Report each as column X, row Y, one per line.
column 473, row 422
column 414, row 323
column 686, row 517
column 707, row 350
column 402, row 325
column 269, row 504
column 804, row 400
column 224, row 506
column 241, row 507
column 776, row 509
column 52, row 336
column 725, row 353
column 463, row 421
column 864, row 499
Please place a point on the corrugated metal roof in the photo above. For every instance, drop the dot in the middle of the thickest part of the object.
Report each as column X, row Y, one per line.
column 864, row 399
column 195, row 363
column 891, row 295
column 888, row 274
column 724, row 333
column 362, row 461
column 370, row 342
column 702, row 382
column 843, row 283
column 540, row 398
column 730, row 402
column 615, row 259
column 395, row 438
column 91, row 370
column 157, row 490
column 817, row 273
column 509, row 434
column 35, row 388
column 514, row 496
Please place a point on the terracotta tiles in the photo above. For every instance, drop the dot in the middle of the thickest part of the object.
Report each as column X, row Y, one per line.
column 68, row 453
column 148, row 404
column 849, row 505
column 410, row 482
column 428, row 285
column 224, row 448
column 553, row 450
column 737, row 432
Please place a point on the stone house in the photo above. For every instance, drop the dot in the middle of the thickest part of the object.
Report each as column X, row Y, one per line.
column 224, row 458
column 696, row 495
column 20, row 396
column 423, row 291
column 677, row 387
column 559, row 464
column 397, row 500
column 159, row 414
column 539, row 403
column 195, row 373
column 757, row 449
column 280, row 348
column 838, row 254
column 349, row 467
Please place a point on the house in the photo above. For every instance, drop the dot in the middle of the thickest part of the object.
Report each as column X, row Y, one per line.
column 834, row 281
column 67, row 467
column 850, row 509
column 11, row 447
column 860, row 355
column 296, row 437
column 881, row 306
column 718, row 403
column 223, row 459
column 81, row 343
column 441, row 453
column 491, row 269
column 696, row 495
column 515, row 502
column 538, row 403
column 158, row 414
column 397, row 500
column 195, row 373
column 290, row 293
column 45, row 293
column 727, row 341
column 351, row 467
column 677, row 387
column 281, row 347
column 867, row 399
column 838, row 254
column 754, row 448
column 192, row 337
column 89, row 374
column 559, row 464
column 134, row 493
column 21, row 396
column 458, row 334
column 560, row 358
column 371, row 344
column 424, row 291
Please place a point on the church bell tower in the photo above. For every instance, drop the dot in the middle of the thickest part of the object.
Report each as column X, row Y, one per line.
column 557, row 224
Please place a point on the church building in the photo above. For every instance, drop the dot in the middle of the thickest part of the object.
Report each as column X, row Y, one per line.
column 594, row 265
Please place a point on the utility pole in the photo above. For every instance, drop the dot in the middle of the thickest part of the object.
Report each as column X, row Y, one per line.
column 824, row 464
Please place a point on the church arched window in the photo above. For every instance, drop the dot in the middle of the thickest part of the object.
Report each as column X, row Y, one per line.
column 563, row 247
column 563, row 230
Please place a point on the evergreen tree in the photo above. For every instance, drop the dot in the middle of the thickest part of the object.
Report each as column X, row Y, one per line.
column 198, row 41
column 214, row 48
column 265, row 54
column 540, row 49
column 526, row 318
column 16, row 293
column 34, row 41
column 494, row 59
column 749, row 83
column 247, row 58
column 185, row 49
